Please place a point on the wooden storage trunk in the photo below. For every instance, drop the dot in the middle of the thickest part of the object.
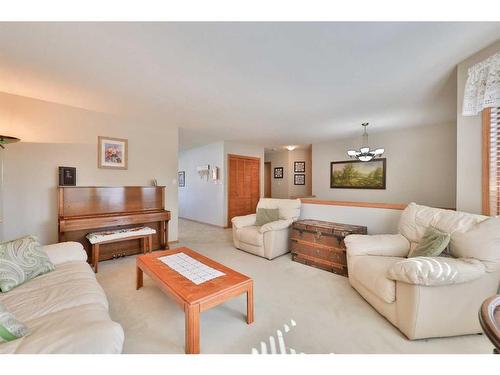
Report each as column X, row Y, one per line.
column 321, row 244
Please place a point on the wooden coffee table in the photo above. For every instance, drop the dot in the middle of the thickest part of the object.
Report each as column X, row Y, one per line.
column 195, row 298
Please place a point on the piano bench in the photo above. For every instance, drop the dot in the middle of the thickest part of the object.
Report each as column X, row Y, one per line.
column 99, row 238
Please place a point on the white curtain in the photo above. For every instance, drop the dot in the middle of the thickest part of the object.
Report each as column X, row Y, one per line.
column 482, row 89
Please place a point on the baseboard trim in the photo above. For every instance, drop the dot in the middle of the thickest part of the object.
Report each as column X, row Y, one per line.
column 202, row 222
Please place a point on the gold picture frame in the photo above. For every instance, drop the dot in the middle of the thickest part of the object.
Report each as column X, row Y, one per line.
column 112, row 153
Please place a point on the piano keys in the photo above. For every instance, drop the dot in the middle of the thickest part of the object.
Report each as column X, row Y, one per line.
column 84, row 209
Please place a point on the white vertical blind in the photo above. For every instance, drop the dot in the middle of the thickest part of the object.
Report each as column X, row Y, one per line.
column 494, row 162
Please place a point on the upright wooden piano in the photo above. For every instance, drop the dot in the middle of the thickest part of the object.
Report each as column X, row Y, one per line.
column 85, row 209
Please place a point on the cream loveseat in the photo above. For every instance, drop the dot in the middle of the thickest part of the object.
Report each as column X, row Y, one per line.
column 271, row 239
column 66, row 310
column 428, row 296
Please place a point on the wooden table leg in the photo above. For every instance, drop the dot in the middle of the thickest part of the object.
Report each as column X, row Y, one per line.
column 95, row 256
column 192, row 329
column 150, row 243
column 161, row 235
column 250, row 316
column 139, row 278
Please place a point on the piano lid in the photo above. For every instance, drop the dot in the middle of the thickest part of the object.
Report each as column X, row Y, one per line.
column 90, row 201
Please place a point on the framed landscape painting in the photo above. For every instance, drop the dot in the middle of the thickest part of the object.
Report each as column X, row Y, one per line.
column 112, row 153
column 354, row 174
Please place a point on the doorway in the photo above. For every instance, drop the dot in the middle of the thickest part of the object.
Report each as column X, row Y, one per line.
column 267, row 179
column 243, row 186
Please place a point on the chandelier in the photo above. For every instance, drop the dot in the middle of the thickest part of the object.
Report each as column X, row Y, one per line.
column 364, row 153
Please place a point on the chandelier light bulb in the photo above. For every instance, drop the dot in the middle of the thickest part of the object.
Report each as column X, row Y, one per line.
column 365, row 153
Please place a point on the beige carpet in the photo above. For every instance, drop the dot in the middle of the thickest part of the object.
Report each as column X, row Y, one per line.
column 297, row 309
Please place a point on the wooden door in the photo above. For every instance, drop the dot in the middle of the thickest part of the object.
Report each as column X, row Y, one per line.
column 267, row 179
column 244, row 186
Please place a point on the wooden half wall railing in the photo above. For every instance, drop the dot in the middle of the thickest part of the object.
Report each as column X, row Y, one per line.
column 387, row 206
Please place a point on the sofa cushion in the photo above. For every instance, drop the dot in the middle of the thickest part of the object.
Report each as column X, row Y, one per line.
column 22, row 260
column 482, row 242
column 433, row 243
column 71, row 284
column 430, row 271
column 63, row 252
column 251, row 235
column 10, row 328
column 394, row 245
column 85, row 329
column 415, row 219
column 371, row 272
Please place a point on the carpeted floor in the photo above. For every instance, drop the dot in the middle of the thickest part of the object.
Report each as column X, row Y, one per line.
column 297, row 309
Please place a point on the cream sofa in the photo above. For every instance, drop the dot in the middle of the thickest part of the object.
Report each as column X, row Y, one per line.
column 428, row 297
column 65, row 310
column 269, row 240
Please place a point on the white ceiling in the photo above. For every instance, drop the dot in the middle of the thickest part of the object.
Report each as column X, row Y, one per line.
column 264, row 83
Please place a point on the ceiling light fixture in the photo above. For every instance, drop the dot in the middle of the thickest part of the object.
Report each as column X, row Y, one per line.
column 5, row 139
column 364, row 153
column 291, row 148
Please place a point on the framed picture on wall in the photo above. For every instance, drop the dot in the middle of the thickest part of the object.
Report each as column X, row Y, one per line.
column 299, row 167
column 182, row 178
column 112, row 153
column 278, row 172
column 67, row 176
column 299, row 179
column 355, row 174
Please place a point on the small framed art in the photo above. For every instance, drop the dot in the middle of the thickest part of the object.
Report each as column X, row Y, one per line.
column 299, row 179
column 278, row 172
column 299, row 167
column 67, row 176
column 112, row 153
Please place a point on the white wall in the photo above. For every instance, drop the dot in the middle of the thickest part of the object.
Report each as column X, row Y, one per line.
column 377, row 220
column 284, row 187
column 207, row 201
column 200, row 199
column 279, row 186
column 302, row 154
column 421, row 166
column 469, row 168
column 54, row 135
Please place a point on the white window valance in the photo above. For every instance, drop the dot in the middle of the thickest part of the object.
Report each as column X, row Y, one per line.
column 482, row 89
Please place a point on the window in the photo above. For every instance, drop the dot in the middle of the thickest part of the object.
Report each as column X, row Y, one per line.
column 491, row 161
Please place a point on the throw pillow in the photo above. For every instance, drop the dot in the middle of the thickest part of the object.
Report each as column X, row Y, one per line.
column 432, row 244
column 266, row 215
column 22, row 260
column 10, row 327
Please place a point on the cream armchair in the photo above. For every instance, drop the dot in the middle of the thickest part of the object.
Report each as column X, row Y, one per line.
column 428, row 296
column 271, row 239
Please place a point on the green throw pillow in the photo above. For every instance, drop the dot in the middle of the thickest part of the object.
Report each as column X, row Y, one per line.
column 266, row 215
column 10, row 327
column 433, row 243
column 22, row 260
